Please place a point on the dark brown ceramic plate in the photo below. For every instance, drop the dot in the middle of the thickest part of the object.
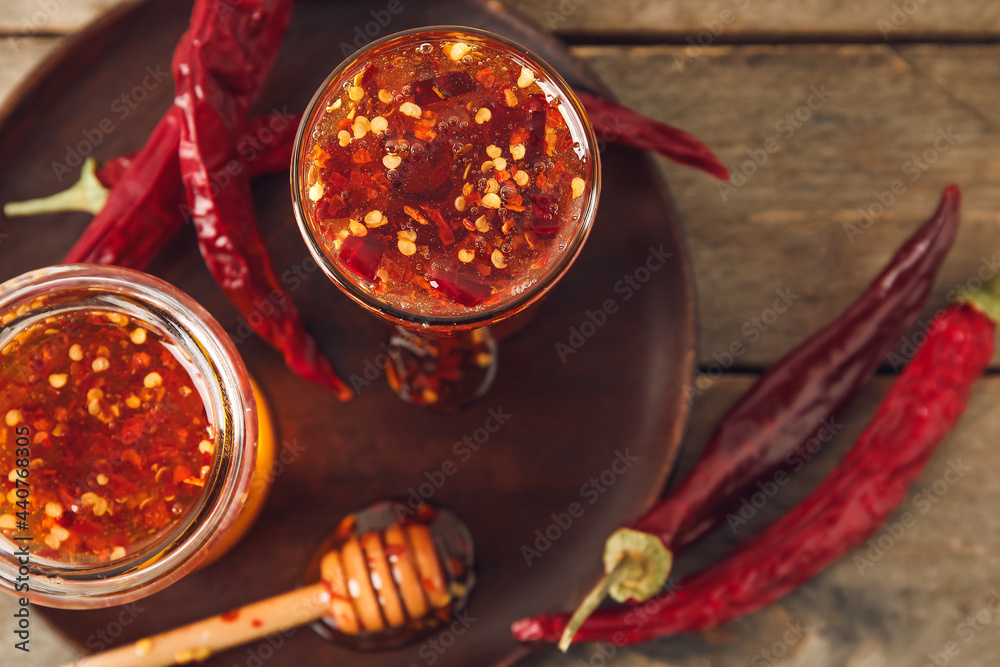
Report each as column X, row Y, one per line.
column 618, row 397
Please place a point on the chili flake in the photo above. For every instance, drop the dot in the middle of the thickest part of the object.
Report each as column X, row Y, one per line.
column 470, row 135
column 121, row 445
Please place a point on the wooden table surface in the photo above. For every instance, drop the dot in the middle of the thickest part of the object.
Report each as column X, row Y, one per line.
column 855, row 94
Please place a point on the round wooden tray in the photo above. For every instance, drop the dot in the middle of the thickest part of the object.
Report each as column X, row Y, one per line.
column 600, row 428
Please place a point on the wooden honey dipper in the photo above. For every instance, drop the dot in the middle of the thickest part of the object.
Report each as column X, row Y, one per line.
column 382, row 582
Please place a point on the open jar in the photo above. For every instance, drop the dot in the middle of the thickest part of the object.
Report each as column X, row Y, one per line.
column 129, row 436
column 445, row 179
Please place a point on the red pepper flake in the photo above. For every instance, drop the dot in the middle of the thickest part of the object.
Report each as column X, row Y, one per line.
column 230, row 616
column 100, row 489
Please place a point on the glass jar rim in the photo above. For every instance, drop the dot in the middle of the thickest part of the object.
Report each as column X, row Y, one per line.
column 189, row 326
column 501, row 311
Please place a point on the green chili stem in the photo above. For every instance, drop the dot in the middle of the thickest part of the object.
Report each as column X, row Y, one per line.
column 87, row 194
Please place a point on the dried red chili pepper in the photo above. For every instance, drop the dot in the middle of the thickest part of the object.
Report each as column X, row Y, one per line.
column 775, row 419
column 264, row 155
column 617, row 123
column 121, row 241
column 920, row 409
column 215, row 88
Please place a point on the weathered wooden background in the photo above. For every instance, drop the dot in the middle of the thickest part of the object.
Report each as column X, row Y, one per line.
column 855, row 94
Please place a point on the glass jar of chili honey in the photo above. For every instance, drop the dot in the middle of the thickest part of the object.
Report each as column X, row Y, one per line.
column 128, row 436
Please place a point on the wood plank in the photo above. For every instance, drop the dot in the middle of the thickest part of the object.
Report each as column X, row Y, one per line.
column 21, row 19
column 793, row 223
column 727, row 21
column 906, row 604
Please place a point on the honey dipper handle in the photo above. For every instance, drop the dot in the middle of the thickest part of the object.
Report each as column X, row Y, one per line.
column 197, row 641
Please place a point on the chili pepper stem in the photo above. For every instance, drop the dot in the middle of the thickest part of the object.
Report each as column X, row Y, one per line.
column 636, row 566
column 87, row 194
column 986, row 299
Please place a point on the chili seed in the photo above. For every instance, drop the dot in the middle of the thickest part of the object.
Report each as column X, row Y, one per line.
column 494, row 151
column 356, row 93
column 336, row 105
column 577, row 185
column 152, row 380
column 491, row 200
column 316, row 191
column 76, row 352
column 375, row 219
column 510, row 97
column 458, row 50
column 459, row 203
column 492, row 186
column 344, row 139
column 95, row 394
column 102, row 479
column 53, row 510
column 498, row 259
column 407, row 247
column 483, row 115
column 357, row 228
column 378, row 124
column 481, row 224
column 410, row 109
column 384, row 96
column 13, row 417
column 526, row 78
column 52, row 541
column 205, row 447
column 58, row 380
column 391, row 161
column 7, row 521
column 487, row 166
column 466, row 256
column 100, row 364
column 138, row 336
column 517, row 151
column 94, row 407
column 133, row 401
column 117, row 553
column 467, row 189
column 60, row 533
column 521, row 178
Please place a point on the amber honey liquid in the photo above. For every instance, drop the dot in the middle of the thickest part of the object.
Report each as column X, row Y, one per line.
column 445, row 177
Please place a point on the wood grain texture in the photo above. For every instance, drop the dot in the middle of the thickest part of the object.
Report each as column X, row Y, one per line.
column 785, row 228
column 908, row 603
column 792, row 223
column 723, row 21
column 26, row 18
